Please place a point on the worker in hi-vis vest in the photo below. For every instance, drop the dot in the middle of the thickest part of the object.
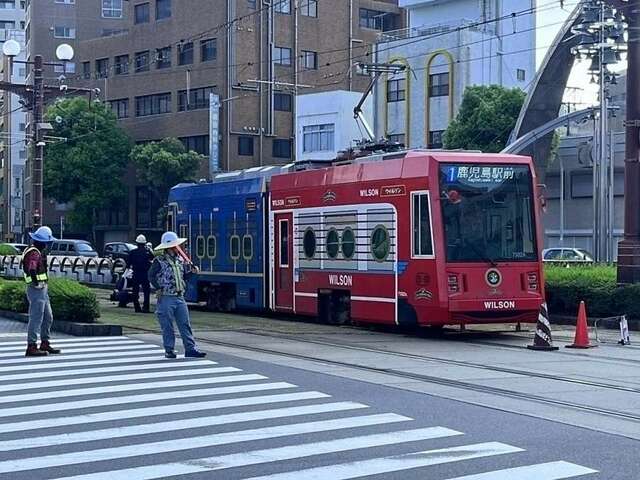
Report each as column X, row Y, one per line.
column 34, row 264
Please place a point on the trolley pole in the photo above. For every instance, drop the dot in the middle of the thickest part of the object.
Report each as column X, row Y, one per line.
column 629, row 247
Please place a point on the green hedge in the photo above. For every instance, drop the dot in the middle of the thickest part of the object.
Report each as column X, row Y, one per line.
column 70, row 301
column 596, row 285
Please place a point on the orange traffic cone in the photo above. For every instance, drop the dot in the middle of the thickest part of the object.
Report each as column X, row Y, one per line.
column 582, row 332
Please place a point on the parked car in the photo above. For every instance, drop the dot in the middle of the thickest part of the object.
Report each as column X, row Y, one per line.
column 72, row 248
column 20, row 247
column 566, row 255
column 115, row 250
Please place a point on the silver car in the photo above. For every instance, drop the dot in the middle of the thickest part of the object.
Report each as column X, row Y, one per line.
column 566, row 255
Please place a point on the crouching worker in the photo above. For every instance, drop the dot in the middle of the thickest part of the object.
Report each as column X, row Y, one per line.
column 123, row 294
column 167, row 275
column 34, row 264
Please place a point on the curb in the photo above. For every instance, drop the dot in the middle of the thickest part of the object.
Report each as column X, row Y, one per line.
column 634, row 325
column 72, row 328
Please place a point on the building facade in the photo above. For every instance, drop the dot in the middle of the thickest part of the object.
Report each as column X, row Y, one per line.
column 448, row 46
column 255, row 56
column 13, row 141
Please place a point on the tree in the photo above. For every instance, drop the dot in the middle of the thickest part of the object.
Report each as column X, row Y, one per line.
column 161, row 165
column 86, row 168
column 486, row 117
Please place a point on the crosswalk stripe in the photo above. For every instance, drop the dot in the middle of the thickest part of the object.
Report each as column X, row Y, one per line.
column 125, row 388
column 67, row 340
column 121, row 368
column 542, row 471
column 68, row 351
column 397, row 463
column 39, row 367
column 172, row 409
column 19, row 348
column 253, row 457
column 116, row 378
column 166, row 446
column 62, row 359
column 176, row 425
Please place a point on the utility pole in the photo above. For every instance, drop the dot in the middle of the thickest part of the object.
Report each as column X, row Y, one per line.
column 38, row 158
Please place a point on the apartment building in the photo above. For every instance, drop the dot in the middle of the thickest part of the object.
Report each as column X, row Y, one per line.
column 13, row 145
column 158, row 76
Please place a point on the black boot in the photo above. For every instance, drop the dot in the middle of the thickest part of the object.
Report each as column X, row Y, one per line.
column 32, row 351
column 45, row 346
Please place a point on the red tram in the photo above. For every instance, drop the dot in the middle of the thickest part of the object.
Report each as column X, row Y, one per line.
column 427, row 238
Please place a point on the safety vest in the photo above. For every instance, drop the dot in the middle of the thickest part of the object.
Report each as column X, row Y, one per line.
column 41, row 273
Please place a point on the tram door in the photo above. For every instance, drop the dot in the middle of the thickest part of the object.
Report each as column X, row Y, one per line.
column 284, row 260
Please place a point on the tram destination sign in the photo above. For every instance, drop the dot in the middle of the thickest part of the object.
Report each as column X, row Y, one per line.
column 479, row 174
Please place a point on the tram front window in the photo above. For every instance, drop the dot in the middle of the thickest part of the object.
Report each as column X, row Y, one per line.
column 488, row 213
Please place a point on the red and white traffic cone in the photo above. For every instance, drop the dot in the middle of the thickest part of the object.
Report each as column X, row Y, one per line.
column 542, row 339
column 581, row 339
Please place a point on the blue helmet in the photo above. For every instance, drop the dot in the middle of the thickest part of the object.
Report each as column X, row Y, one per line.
column 42, row 234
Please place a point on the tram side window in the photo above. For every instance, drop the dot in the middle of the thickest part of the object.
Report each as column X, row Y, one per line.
column 200, row 247
column 422, row 245
column 235, row 247
column 247, row 247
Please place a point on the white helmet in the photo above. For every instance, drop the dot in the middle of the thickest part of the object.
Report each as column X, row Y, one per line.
column 141, row 239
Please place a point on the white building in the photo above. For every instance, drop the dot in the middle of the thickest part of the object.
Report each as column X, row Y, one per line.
column 448, row 46
column 325, row 123
column 13, row 144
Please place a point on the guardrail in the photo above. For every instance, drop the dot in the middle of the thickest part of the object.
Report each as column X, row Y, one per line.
column 91, row 270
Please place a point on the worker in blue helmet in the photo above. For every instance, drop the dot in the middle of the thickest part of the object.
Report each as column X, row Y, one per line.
column 34, row 265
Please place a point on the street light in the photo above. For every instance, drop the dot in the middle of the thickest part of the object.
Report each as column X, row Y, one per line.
column 34, row 98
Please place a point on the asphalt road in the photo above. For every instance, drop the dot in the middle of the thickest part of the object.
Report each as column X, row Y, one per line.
column 116, row 409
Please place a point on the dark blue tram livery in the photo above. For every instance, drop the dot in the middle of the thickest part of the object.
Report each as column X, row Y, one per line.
column 224, row 222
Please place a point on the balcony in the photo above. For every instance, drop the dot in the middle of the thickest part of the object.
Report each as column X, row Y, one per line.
column 434, row 29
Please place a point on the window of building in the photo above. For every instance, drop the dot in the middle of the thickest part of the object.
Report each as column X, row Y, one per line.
column 7, row 24
column 102, row 68
column 196, row 143
column 378, row 20
column 309, row 60
column 282, row 6
column 421, row 225
column 282, row 102
column 64, row 32
column 396, row 138
column 521, row 75
column 348, row 243
column 309, row 243
column 435, row 138
column 86, row 70
column 163, row 57
column 141, row 13
column 163, row 9
column 281, row 148
column 112, row 8
column 318, row 138
column 245, row 146
column 309, row 8
column 208, row 50
column 120, row 107
column 121, row 65
column 65, row 67
column 333, row 243
column 153, row 104
column 67, row 2
column 282, row 55
column 185, row 54
column 8, row 4
column 380, row 243
column 251, row 3
column 195, row 99
column 142, row 61
column 396, row 90
column 439, row 84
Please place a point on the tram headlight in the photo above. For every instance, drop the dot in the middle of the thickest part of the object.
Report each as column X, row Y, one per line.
column 452, row 281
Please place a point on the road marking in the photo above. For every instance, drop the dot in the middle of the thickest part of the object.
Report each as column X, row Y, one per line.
column 70, row 340
column 20, row 348
column 117, row 378
column 172, row 409
column 88, row 363
column 93, row 371
column 61, row 359
column 226, row 438
column 67, row 351
column 124, row 388
column 176, row 425
column 542, row 471
column 397, row 463
column 299, row 450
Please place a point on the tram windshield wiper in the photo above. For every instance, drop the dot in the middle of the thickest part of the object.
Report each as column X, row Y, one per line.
column 483, row 256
